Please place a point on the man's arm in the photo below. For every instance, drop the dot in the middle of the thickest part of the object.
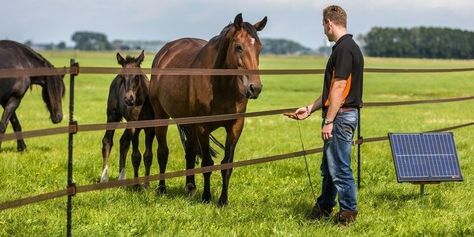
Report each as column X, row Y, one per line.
column 304, row 112
column 336, row 98
column 317, row 104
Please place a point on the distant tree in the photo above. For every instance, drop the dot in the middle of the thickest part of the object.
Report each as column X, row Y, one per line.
column 91, row 41
column 283, row 46
column 61, row 45
column 419, row 42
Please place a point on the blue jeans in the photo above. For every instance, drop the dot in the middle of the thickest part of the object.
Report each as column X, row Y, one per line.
column 336, row 164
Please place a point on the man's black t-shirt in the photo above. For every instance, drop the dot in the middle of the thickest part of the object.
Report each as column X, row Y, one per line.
column 346, row 62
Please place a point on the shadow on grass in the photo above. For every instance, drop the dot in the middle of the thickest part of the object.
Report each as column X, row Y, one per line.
column 34, row 148
column 397, row 197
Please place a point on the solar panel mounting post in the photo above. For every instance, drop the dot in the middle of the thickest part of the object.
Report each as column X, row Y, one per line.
column 422, row 186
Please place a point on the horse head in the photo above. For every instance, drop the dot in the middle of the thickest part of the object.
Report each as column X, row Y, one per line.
column 243, row 48
column 131, row 81
column 53, row 92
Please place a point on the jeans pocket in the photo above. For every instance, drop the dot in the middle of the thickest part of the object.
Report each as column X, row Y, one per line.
column 344, row 131
column 344, row 126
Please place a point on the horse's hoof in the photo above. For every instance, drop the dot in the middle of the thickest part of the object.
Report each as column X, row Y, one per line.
column 222, row 202
column 122, row 176
column 21, row 148
column 161, row 190
column 104, row 179
column 206, row 198
column 190, row 189
column 137, row 187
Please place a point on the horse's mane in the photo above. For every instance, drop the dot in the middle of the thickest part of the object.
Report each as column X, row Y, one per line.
column 130, row 59
column 30, row 52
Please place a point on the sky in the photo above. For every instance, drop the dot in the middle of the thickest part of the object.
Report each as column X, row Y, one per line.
column 46, row 21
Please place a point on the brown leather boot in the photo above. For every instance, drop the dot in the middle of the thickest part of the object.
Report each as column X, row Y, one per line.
column 345, row 217
column 318, row 212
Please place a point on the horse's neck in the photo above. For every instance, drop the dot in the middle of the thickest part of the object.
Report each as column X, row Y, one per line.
column 209, row 57
column 220, row 92
column 36, row 61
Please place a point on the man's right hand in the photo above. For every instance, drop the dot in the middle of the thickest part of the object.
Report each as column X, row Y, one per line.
column 299, row 114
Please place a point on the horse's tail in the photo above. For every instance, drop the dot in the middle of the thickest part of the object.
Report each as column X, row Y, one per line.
column 185, row 134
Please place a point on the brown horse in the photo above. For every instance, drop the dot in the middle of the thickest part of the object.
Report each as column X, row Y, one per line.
column 12, row 90
column 236, row 47
column 128, row 99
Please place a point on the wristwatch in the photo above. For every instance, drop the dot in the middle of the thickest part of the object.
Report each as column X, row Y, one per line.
column 326, row 121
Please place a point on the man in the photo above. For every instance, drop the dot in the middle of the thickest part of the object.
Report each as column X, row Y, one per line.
column 340, row 100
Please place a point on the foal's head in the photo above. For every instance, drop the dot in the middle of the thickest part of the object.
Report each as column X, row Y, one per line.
column 131, row 81
column 242, row 50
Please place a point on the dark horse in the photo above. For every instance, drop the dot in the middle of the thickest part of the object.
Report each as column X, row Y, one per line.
column 14, row 55
column 128, row 99
column 236, row 47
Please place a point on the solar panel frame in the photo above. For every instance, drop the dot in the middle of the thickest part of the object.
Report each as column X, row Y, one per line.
column 432, row 157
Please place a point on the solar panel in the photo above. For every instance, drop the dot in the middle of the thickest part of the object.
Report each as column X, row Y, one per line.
column 425, row 157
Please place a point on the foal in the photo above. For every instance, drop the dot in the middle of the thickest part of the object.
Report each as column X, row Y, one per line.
column 128, row 99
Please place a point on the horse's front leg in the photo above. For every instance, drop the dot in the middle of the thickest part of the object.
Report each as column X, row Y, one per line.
column 124, row 146
column 8, row 110
column 233, row 133
column 21, row 146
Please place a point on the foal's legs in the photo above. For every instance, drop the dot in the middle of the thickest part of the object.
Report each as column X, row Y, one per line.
column 21, row 146
column 124, row 146
column 136, row 156
column 107, row 143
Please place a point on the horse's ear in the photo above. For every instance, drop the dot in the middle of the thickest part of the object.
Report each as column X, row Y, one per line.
column 261, row 24
column 238, row 21
column 141, row 57
column 120, row 59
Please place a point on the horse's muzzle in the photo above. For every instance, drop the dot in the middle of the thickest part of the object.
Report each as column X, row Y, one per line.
column 129, row 100
column 253, row 91
column 57, row 118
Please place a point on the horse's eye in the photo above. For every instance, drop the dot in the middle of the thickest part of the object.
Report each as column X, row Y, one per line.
column 239, row 48
column 136, row 79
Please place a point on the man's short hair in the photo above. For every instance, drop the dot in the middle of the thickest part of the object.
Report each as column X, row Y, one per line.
column 335, row 14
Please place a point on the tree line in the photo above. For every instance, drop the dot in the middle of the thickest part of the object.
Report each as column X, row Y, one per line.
column 419, row 42
column 95, row 41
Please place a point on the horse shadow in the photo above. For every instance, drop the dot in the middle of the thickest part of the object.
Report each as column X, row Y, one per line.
column 32, row 147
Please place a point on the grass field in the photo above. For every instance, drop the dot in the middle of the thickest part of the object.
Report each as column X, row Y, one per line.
column 264, row 200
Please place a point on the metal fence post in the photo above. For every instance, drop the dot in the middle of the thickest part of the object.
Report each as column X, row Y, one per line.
column 74, row 70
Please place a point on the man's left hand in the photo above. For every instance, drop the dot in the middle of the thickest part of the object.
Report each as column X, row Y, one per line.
column 326, row 131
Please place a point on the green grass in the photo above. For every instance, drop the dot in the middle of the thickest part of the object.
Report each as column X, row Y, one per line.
column 266, row 199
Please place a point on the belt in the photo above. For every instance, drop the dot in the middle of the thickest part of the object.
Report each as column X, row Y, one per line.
column 347, row 109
